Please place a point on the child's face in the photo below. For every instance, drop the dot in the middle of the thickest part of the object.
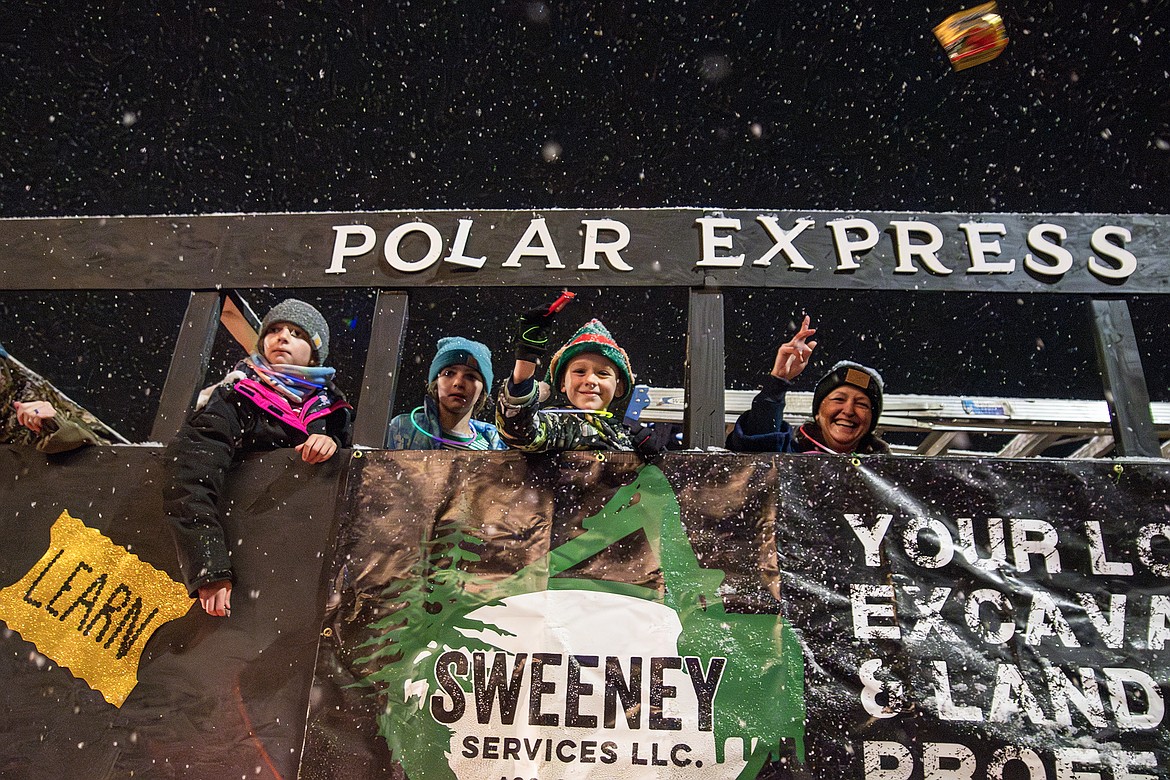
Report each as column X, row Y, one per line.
column 591, row 381
column 287, row 345
column 459, row 388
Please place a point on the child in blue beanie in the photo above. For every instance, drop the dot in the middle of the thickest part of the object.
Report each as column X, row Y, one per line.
column 457, row 389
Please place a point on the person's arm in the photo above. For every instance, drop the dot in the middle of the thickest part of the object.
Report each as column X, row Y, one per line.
column 196, row 463
column 517, row 419
column 57, row 431
column 792, row 356
column 317, row 448
column 519, row 423
column 326, row 433
column 216, row 598
column 62, row 433
column 762, row 428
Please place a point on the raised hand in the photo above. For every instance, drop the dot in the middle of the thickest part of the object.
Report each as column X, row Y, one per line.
column 792, row 356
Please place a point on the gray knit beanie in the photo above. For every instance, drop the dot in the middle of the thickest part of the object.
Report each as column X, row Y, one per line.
column 304, row 317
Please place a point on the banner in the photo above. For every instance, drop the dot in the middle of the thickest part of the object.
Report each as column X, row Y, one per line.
column 590, row 615
column 501, row 615
column 89, row 569
column 684, row 247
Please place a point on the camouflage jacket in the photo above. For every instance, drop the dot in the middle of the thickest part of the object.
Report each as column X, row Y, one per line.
column 71, row 428
column 523, row 426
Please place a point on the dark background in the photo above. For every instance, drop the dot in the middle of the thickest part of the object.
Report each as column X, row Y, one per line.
column 168, row 108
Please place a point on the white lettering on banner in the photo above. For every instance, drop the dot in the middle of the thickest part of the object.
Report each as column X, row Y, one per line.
column 458, row 255
column 997, row 631
column 1071, row 763
column 947, row 709
column 1126, row 262
column 915, row 245
column 870, row 536
column 872, row 688
column 905, row 250
column 1062, row 259
column 865, row 612
column 1145, row 547
column 1024, row 545
column 1112, row 628
column 710, row 243
column 611, row 250
column 959, row 760
column 394, row 240
column 1026, row 757
column 342, row 249
column 1046, row 619
column 1014, row 699
column 1159, row 629
column 885, row 760
column 899, row 767
column 1098, row 557
column 996, row 546
column 537, row 228
column 784, row 239
column 942, row 540
column 931, row 544
column 848, row 247
column 1085, row 696
column 979, row 249
column 989, row 615
column 928, row 615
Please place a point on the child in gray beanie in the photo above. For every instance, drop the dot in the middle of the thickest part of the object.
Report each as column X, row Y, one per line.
column 847, row 403
column 282, row 396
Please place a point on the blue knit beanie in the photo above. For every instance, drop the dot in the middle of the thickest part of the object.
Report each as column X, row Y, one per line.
column 458, row 351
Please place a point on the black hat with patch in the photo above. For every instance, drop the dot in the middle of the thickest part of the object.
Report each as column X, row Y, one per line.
column 865, row 379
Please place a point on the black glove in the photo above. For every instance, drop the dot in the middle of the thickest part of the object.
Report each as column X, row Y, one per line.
column 655, row 438
column 532, row 334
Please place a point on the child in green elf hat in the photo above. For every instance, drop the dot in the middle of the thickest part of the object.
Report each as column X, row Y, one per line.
column 591, row 370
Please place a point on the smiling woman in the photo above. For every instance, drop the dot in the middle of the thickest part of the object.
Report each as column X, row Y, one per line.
column 846, row 406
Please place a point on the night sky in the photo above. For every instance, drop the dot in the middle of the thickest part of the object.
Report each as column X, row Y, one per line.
column 195, row 109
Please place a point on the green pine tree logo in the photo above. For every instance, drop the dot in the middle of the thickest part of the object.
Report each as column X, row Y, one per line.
column 760, row 694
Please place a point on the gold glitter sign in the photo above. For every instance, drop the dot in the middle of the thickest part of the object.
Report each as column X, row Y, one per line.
column 91, row 606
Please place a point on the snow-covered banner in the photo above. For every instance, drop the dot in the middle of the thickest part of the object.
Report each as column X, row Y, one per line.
column 991, row 252
column 723, row 616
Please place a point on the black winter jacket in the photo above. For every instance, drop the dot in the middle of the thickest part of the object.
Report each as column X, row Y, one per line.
column 206, row 447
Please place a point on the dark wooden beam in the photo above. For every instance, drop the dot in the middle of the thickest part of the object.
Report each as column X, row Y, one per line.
column 1125, row 382
column 703, row 422
column 188, row 363
column 380, row 379
column 239, row 319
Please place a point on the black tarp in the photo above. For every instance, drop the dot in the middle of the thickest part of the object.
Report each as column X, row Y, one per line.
column 947, row 617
